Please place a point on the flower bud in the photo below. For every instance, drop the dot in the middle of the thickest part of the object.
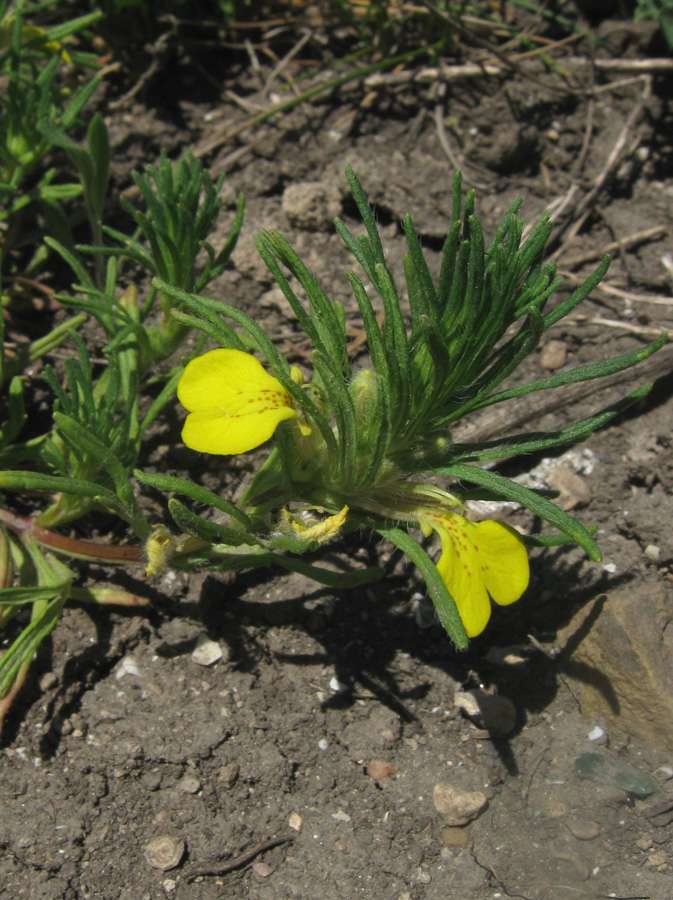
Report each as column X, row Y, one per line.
column 364, row 391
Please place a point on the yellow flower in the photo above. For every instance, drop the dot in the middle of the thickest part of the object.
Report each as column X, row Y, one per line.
column 234, row 404
column 478, row 560
column 320, row 531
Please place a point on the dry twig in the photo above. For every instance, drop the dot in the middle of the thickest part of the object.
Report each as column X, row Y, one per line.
column 240, row 861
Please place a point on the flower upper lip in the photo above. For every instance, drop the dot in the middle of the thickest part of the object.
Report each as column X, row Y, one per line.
column 234, row 404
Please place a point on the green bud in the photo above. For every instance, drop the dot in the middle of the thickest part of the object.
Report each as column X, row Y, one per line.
column 364, row 392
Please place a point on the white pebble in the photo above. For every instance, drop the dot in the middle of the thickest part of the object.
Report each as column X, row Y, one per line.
column 206, row 652
column 596, row 734
column 128, row 666
column 652, row 552
column 295, row 821
column 323, row 744
column 337, row 686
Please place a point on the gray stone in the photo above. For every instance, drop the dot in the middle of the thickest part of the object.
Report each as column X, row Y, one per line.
column 618, row 651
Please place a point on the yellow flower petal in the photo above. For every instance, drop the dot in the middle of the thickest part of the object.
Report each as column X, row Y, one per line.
column 478, row 560
column 234, row 404
column 322, row 531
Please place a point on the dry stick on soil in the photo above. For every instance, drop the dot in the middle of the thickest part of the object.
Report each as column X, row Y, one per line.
column 205, row 148
column 640, row 330
column 283, row 63
column 446, row 74
column 239, row 861
column 632, row 240
column 655, row 299
column 510, row 63
column 446, row 146
column 497, row 420
column 624, row 147
column 159, row 50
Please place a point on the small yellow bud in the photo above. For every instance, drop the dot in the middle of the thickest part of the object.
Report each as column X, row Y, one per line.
column 322, row 531
column 158, row 550
column 296, row 375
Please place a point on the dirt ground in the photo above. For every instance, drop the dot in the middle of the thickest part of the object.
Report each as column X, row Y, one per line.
column 307, row 758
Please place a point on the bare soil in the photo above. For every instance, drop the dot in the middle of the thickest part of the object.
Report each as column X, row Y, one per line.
column 120, row 738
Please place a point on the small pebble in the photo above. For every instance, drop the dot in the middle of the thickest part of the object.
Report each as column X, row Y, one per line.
column 456, row 838
column 658, row 858
column 165, row 852
column 323, row 744
column 652, row 552
column 206, row 652
column 128, row 666
column 644, row 844
column 458, row 807
column 228, row 776
column 337, row 686
column 48, row 681
column 424, row 611
column 553, row 355
column 574, row 490
column 584, row 830
column 169, row 885
column 596, row 734
column 341, row 816
column 262, row 869
column 295, row 822
column 378, row 769
column 189, row 784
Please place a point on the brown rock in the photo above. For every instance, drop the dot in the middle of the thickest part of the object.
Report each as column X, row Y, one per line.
column 456, row 838
column 457, row 806
column 553, row 355
column 378, row 769
column 228, row 775
column 584, row 829
column 619, row 653
column 572, row 487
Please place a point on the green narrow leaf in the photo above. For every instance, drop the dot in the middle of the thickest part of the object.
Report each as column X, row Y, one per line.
column 23, row 648
column 581, row 373
column 22, row 596
column 515, row 445
column 534, row 502
column 442, row 599
column 341, row 580
column 194, row 491
column 578, row 295
column 206, row 530
column 99, row 148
